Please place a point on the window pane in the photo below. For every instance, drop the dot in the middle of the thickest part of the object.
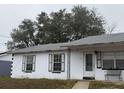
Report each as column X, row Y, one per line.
column 29, row 63
column 29, row 59
column 120, row 55
column 89, row 62
column 108, row 55
column 55, row 58
column 108, row 64
column 59, row 58
column 120, row 64
column 29, row 67
column 57, row 67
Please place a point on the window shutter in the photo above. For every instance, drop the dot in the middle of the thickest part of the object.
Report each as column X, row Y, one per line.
column 24, row 64
column 50, row 63
column 99, row 64
column 34, row 61
column 63, row 63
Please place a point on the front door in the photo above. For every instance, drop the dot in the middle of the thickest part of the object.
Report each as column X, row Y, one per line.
column 88, row 65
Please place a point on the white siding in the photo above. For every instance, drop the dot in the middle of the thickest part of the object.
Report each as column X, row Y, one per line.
column 41, row 68
column 99, row 74
column 76, row 66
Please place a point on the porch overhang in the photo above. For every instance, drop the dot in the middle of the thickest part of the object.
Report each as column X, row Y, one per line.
column 112, row 46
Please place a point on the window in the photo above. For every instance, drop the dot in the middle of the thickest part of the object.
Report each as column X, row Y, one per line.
column 120, row 60
column 56, row 62
column 28, row 64
column 120, row 64
column 89, row 62
column 113, row 60
column 108, row 64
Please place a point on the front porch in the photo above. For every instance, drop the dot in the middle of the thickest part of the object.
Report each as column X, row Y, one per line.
column 101, row 62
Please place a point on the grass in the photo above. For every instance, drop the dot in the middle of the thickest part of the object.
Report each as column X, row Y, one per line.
column 9, row 83
column 105, row 85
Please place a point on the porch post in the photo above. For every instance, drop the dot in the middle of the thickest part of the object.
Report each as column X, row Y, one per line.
column 68, row 63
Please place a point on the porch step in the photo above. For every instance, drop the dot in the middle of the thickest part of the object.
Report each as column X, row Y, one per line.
column 88, row 78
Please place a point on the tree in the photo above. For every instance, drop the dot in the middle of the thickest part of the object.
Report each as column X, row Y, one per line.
column 55, row 28
column 10, row 45
column 60, row 26
column 24, row 35
column 86, row 23
column 63, row 26
column 111, row 28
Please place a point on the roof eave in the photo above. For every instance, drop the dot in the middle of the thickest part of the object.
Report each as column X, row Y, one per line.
column 84, row 45
column 38, row 51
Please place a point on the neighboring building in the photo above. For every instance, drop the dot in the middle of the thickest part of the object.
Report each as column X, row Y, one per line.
column 98, row 57
column 5, row 64
column 6, row 56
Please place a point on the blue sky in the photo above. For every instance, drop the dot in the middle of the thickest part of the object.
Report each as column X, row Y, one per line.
column 12, row 15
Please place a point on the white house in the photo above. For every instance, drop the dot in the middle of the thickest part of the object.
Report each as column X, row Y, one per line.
column 95, row 57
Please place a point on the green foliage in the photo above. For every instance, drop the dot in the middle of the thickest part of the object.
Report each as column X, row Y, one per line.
column 60, row 26
column 24, row 35
column 86, row 22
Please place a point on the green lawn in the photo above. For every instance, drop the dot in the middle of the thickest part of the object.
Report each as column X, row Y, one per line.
column 9, row 83
column 105, row 85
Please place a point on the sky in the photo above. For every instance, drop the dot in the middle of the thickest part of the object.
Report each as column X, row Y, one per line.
column 12, row 15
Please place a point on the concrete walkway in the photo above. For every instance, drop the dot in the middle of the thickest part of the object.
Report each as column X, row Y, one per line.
column 81, row 85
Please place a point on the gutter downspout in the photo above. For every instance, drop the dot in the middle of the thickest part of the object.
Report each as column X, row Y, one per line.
column 68, row 63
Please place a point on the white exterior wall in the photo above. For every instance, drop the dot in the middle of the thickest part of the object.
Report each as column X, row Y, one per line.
column 41, row 67
column 100, row 75
column 76, row 65
column 6, row 57
column 122, row 75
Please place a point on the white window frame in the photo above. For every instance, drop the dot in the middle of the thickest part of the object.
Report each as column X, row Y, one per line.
column 24, row 64
column 51, row 62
